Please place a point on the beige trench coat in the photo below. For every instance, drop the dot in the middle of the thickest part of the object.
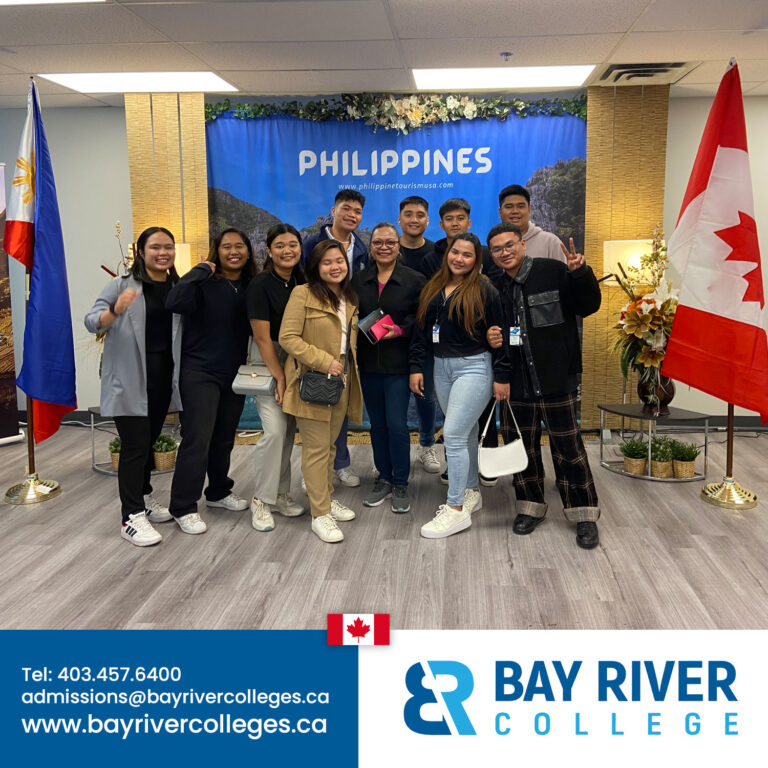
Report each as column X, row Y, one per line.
column 311, row 334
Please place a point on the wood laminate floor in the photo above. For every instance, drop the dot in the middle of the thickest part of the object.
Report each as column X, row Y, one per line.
column 666, row 559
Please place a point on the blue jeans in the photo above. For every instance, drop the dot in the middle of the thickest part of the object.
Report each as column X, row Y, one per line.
column 343, row 459
column 425, row 406
column 463, row 386
column 386, row 398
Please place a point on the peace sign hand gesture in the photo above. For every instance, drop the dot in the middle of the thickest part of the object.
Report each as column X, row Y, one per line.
column 574, row 260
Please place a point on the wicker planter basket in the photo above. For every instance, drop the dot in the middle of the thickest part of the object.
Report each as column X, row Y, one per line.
column 165, row 460
column 684, row 468
column 635, row 466
column 115, row 458
column 661, row 468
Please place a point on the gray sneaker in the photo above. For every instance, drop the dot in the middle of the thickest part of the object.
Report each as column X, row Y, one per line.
column 381, row 490
column 400, row 501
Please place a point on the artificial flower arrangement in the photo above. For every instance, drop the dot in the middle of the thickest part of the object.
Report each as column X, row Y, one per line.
column 645, row 322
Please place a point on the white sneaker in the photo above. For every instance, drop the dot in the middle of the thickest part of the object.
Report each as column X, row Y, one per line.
column 303, row 485
column 139, row 531
column 326, row 529
column 473, row 501
column 156, row 512
column 286, row 506
column 192, row 523
column 261, row 516
column 446, row 522
column 233, row 502
column 347, row 477
column 427, row 455
column 340, row 513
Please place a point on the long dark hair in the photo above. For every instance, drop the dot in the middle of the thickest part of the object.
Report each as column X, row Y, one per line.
column 139, row 267
column 467, row 301
column 249, row 269
column 275, row 232
column 316, row 284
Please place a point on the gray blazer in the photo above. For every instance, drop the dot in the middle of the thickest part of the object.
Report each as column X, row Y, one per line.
column 124, row 363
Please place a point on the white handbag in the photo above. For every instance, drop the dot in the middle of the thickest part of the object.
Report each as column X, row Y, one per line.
column 507, row 459
column 254, row 378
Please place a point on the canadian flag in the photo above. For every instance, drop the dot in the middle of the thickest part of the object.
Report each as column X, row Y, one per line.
column 358, row 629
column 718, row 342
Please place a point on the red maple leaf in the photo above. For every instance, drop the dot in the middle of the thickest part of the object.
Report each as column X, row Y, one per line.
column 742, row 238
column 358, row 628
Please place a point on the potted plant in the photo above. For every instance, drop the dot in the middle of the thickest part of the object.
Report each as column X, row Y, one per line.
column 635, row 454
column 165, row 448
column 684, row 458
column 661, row 457
column 114, row 452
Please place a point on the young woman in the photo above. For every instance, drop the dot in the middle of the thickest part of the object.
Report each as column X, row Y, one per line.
column 456, row 308
column 139, row 373
column 393, row 288
column 211, row 299
column 266, row 299
column 319, row 332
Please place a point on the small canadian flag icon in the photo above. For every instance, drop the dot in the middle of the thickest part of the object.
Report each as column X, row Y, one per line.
column 358, row 629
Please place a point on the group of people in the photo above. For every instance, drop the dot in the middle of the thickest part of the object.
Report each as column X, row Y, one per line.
column 461, row 323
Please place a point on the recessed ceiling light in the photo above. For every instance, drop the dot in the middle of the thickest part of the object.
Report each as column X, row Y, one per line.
column 142, row 82
column 47, row 2
column 491, row 78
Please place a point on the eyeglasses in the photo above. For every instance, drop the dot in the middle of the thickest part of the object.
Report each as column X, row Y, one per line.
column 384, row 243
column 506, row 248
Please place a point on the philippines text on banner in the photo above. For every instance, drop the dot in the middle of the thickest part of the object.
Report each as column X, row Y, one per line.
column 358, row 629
column 33, row 236
column 718, row 342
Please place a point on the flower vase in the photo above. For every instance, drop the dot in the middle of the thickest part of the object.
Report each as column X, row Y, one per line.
column 656, row 396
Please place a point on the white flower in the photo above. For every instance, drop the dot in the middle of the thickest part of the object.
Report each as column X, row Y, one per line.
column 470, row 110
column 664, row 292
column 407, row 103
column 657, row 340
column 452, row 102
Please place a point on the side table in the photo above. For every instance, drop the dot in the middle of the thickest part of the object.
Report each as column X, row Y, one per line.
column 635, row 411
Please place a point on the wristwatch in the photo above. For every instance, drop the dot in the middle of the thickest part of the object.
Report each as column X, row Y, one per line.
column 112, row 308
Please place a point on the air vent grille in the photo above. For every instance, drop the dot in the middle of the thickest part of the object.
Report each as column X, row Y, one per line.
column 663, row 73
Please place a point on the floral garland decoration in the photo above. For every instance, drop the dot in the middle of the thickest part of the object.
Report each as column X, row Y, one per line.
column 405, row 113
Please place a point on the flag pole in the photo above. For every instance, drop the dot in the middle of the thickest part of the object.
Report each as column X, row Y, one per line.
column 729, row 494
column 33, row 489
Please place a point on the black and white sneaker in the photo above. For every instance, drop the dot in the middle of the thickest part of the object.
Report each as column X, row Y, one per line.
column 139, row 531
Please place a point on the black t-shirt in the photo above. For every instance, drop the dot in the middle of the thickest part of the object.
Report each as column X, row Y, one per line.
column 159, row 320
column 267, row 297
column 422, row 259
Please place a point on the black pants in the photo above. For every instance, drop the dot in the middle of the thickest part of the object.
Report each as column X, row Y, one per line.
column 137, row 434
column 492, row 436
column 211, row 412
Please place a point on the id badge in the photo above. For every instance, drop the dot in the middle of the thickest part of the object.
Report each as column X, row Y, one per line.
column 514, row 336
column 435, row 334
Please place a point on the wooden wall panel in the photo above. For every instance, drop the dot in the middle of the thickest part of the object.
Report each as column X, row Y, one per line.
column 626, row 160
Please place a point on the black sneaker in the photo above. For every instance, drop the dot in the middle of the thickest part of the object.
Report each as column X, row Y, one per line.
column 586, row 535
column 444, row 478
column 400, row 501
column 488, row 482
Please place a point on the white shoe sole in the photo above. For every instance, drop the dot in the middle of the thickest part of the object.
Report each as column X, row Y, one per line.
column 191, row 533
column 132, row 539
column 219, row 505
column 367, row 503
column 260, row 526
column 286, row 513
column 165, row 518
column 462, row 525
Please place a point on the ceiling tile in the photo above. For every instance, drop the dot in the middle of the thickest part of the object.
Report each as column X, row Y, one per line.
column 249, row 22
column 758, row 89
column 372, row 54
column 30, row 25
column 50, row 102
column 712, row 14
column 528, row 51
column 147, row 57
column 686, row 46
column 314, row 82
column 495, row 18
column 10, row 84
column 752, row 70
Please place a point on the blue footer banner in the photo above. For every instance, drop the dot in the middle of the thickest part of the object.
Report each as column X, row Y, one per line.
column 450, row 698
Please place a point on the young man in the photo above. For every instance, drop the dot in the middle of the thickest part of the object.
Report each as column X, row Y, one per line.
column 419, row 254
column 346, row 215
column 417, row 251
column 515, row 209
column 541, row 300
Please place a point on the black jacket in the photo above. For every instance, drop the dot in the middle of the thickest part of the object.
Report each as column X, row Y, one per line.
column 544, row 299
column 400, row 300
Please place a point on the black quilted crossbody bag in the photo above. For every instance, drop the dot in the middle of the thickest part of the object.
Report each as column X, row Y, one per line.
column 322, row 388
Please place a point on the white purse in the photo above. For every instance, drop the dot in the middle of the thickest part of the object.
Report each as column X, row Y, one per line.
column 508, row 459
column 254, row 378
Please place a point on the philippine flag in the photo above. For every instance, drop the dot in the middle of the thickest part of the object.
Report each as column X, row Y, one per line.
column 718, row 342
column 358, row 629
column 33, row 236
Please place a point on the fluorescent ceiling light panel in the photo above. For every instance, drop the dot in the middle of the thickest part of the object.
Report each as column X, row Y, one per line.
column 47, row 2
column 142, row 82
column 491, row 78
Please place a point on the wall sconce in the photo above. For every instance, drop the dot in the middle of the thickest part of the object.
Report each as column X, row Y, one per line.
column 624, row 252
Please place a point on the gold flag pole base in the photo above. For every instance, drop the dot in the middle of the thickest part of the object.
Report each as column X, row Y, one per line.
column 729, row 495
column 32, row 490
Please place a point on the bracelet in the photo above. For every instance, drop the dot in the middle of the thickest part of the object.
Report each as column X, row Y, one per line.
column 112, row 308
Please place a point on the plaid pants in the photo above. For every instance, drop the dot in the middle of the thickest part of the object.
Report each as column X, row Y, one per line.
column 573, row 475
